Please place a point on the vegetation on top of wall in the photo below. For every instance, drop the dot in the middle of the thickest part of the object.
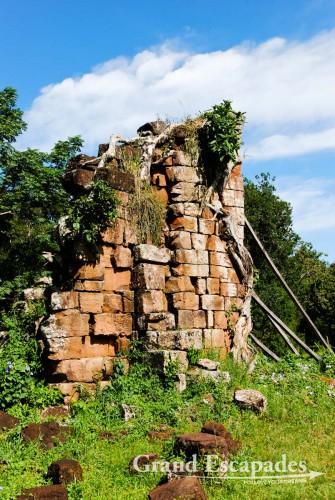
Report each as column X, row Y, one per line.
column 222, row 131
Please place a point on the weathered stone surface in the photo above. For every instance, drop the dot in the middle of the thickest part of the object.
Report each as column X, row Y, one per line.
column 191, row 319
column 208, row 364
column 151, row 253
column 197, row 257
column 152, row 128
column 65, row 471
column 128, row 412
column 212, row 302
column 197, row 443
column 78, row 181
column 115, row 233
column 90, row 272
column 83, row 370
column 64, row 300
column 121, row 257
column 151, row 301
column 250, row 399
column 218, row 272
column 116, row 279
column 199, row 241
column 180, row 239
column 183, row 191
column 185, row 300
column 88, row 286
column 127, row 300
column 182, row 174
column 216, row 244
column 33, row 294
column 188, row 488
column 160, row 321
column 81, row 347
column 50, row 434
column 206, row 226
column 137, row 463
column 71, row 390
column 148, row 277
column 113, row 324
column 54, row 492
column 215, row 338
column 174, row 340
column 185, row 223
column 179, row 284
column 7, row 422
column 90, row 302
column 213, row 286
column 158, row 179
column 181, row 158
column 69, row 323
column 219, row 430
column 160, row 359
column 191, row 270
column 123, row 181
column 216, row 376
column 112, row 302
column 180, row 383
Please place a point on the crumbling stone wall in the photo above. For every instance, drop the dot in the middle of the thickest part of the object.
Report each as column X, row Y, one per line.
column 191, row 291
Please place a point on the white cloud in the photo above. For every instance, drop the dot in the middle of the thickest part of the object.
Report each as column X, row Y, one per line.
column 286, row 89
column 313, row 202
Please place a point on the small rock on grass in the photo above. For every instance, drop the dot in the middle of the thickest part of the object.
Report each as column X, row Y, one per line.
column 65, row 471
column 218, row 429
column 56, row 492
column 7, row 422
column 250, row 399
column 188, row 488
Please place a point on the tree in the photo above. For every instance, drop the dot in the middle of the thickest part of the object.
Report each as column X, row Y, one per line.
column 32, row 200
column 309, row 276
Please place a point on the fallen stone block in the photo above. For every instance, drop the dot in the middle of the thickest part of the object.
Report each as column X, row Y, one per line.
column 198, row 444
column 250, row 399
column 55, row 492
column 65, row 471
column 50, row 434
column 218, row 429
column 188, row 488
column 7, row 422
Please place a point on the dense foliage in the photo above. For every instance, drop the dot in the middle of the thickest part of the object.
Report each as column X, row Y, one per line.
column 305, row 270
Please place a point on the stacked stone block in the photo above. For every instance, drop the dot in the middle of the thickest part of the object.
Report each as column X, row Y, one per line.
column 182, row 294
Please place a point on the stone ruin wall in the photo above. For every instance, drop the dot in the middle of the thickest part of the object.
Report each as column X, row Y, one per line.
column 188, row 292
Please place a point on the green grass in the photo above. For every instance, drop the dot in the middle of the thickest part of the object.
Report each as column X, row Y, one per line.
column 301, row 428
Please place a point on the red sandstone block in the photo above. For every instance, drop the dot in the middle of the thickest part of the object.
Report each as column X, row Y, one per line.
column 158, row 179
column 180, row 239
column 82, row 347
column 112, row 302
column 122, row 257
column 130, row 235
column 201, row 286
column 128, row 301
column 191, row 209
column 162, row 195
column 68, row 323
column 122, row 344
column 207, row 213
column 88, row 286
column 91, row 302
column 167, row 161
column 216, row 244
column 218, row 272
column 237, row 170
column 178, row 284
column 209, row 319
column 90, row 272
column 123, row 197
column 232, row 276
column 149, row 277
column 191, row 256
column 116, row 279
column 113, row 324
column 182, row 174
column 206, row 226
column 241, row 291
column 84, row 370
column 181, row 158
column 185, row 300
column 191, row 270
column 186, row 222
column 219, row 259
column 212, row 302
column 213, row 286
column 191, row 319
column 215, row 338
column 151, row 301
column 115, row 233
column 199, row 241
column 220, row 319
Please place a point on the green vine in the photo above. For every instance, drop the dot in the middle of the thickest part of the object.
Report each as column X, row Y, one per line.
column 91, row 215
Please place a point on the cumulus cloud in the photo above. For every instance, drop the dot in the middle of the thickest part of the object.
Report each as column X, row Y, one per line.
column 313, row 202
column 286, row 89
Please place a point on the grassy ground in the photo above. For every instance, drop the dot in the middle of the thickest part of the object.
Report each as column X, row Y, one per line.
column 299, row 422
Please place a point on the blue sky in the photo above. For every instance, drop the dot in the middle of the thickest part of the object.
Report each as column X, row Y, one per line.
column 98, row 67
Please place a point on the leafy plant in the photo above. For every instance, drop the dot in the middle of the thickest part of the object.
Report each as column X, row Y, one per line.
column 91, row 215
column 193, row 355
column 222, row 130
